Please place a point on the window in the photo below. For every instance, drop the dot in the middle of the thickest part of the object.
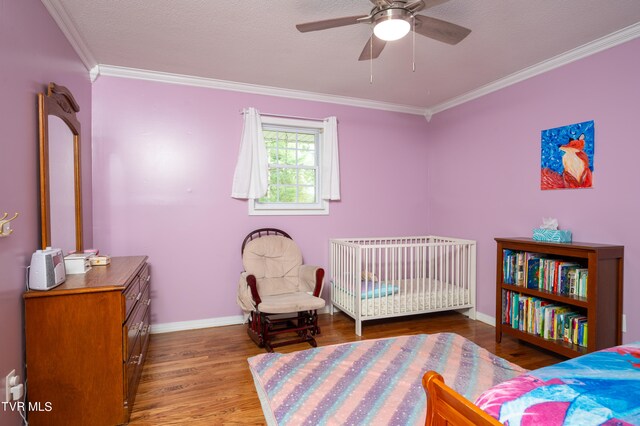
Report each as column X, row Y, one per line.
column 293, row 152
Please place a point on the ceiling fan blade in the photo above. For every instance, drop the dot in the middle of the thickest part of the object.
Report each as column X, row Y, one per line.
column 437, row 29
column 329, row 23
column 433, row 3
column 372, row 49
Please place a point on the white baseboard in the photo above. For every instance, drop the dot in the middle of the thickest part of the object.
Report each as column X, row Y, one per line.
column 196, row 324
column 168, row 327
column 487, row 319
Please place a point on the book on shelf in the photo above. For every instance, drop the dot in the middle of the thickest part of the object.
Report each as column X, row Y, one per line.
column 533, row 272
column 540, row 317
column 538, row 272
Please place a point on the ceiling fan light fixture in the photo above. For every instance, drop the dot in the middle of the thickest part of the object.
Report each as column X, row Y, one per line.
column 392, row 24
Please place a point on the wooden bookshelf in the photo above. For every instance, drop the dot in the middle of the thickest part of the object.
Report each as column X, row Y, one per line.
column 602, row 306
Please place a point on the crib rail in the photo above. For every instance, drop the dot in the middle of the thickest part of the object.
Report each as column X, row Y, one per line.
column 375, row 278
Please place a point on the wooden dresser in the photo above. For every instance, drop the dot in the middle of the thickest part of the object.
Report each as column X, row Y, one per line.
column 86, row 342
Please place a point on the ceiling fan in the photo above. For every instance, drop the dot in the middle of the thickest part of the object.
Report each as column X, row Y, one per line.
column 391, row 21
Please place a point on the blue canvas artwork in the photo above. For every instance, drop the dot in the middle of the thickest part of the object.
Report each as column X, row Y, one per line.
column 567, row 156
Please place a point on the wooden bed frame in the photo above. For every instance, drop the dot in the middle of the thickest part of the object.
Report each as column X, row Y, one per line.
column 445, row 406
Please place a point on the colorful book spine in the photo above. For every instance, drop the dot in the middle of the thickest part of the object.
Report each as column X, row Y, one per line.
column 540, row 317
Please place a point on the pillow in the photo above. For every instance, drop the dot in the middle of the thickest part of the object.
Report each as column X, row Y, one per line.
column 370, row 289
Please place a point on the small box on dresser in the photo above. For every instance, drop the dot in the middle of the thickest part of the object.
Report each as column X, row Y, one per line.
column 86, row 342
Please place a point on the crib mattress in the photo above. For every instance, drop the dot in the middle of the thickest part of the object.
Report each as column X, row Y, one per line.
column 443, row 296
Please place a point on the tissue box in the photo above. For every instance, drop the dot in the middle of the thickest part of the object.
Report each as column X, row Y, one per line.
column 552, row 235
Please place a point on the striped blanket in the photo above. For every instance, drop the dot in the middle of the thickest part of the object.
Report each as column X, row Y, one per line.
column 371, row 381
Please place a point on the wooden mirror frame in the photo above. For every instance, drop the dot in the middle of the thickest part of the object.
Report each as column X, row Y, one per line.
column 59, row 102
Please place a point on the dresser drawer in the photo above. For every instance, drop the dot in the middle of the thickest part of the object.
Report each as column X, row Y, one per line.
column 130, row 367
column 144, row 275
column 133, row 366
column 131, row 296
column 134, row 291
column 135, row 323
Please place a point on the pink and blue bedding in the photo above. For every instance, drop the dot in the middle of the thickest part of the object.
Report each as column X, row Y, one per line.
column 371, row 381
column 600, row 388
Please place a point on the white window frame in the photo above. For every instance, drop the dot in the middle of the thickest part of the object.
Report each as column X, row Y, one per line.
column 321, row 207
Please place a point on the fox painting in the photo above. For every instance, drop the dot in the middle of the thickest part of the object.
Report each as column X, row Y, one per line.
column 566, row 165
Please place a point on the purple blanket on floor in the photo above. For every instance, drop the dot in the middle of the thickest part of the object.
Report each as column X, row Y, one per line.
column 371, row 381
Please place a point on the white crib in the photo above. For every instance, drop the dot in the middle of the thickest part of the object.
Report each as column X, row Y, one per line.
column 374, row 278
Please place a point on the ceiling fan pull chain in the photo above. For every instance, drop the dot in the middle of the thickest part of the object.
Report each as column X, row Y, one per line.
column 413, row 42
column 371, row 59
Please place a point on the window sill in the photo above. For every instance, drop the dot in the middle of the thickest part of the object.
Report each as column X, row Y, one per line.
column 273, row 211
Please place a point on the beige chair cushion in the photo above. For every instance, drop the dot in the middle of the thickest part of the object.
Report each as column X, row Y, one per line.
column 274, row 261
column 292, row 302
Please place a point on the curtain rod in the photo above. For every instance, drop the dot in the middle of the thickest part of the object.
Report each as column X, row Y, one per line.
column 287, row 116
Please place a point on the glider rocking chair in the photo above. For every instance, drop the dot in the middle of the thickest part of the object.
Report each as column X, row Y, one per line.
column 280, row 294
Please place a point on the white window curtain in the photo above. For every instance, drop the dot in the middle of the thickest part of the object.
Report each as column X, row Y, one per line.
column 330, row 167
column 252, row 168
column 250, row 179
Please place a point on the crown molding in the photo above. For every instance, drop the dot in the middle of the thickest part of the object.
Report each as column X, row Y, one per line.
column 163, row 77
column 66, row 25
column 606, row 42
column 68, row 28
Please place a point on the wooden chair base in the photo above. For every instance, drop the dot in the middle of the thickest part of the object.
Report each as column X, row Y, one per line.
column 264, row 328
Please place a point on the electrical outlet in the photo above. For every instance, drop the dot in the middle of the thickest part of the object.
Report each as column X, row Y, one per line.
column 7, row 386
column 13, row 389
column 624, row 323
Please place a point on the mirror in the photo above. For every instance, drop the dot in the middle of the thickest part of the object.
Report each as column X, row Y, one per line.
column 60, row 186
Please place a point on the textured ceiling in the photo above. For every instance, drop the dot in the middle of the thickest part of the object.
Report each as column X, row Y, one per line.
column 256, row 42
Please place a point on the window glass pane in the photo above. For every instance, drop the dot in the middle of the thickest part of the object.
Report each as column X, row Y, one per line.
column 306, row 146
column 306, row 158
column 271, row 197
column 273, row 175
column 292, row 141
column 306, row 137
column 269, row 135
column 280, row 143
column 288, row 157
column 287, row 194
column 307, row 177
column 307, row 194
column 288, row 176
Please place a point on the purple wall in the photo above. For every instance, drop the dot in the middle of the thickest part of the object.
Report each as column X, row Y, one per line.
column 33, row 52
column 484, row 165
column 164, row 157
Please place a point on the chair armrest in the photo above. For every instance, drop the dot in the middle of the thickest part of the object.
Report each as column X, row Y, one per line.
column 312, row 277
column 248, row 297
column 251, row 281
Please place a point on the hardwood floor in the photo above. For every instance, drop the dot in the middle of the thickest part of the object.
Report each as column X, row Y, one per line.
column 201, row 377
